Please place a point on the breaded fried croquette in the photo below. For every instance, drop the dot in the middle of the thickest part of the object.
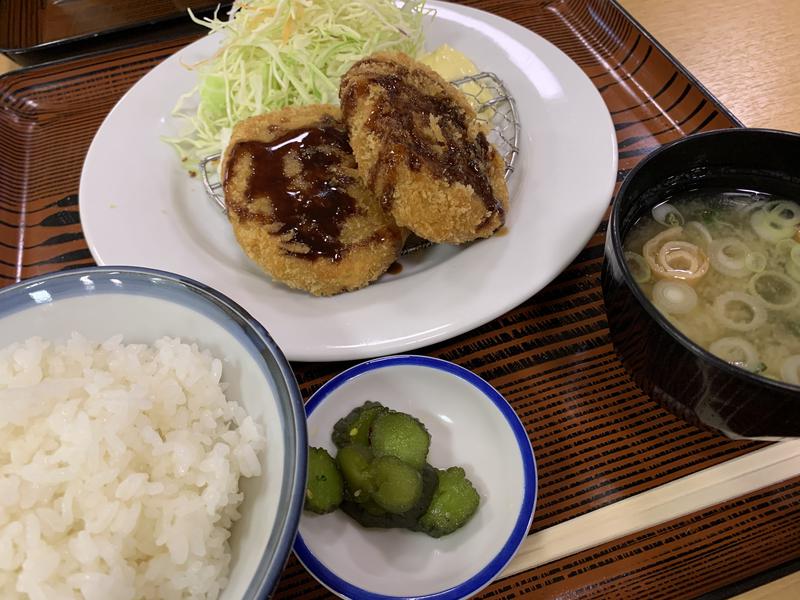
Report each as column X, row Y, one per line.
column 298, row 207
column 422, row 151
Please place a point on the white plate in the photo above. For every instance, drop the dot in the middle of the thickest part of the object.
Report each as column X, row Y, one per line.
column 471, row 426
column 138, row 206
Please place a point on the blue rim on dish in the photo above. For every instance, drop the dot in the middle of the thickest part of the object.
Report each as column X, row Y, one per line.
column 487, row 574
column 212, row 304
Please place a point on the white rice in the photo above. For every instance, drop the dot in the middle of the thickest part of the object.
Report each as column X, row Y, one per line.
column 119, row 470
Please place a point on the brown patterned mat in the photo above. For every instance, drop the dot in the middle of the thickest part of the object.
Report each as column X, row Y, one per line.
column 597, row 438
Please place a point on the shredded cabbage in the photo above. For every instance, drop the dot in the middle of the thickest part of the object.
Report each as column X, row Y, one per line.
column 278, row 53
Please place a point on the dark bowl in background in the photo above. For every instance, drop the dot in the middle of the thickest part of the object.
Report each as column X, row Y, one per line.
column 673, row 370
column 33, row 32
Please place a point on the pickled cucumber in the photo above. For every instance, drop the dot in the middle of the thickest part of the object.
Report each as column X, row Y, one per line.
column 430, row 480
column 370, row 514
column 381, row 477
column 354, row 428
column 454, row 503
column 354, row 464
column 324, row 486
column 398, row 485
column 401, row 435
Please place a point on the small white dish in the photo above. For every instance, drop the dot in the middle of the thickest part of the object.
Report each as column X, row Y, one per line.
column 471, row 426
column 138, row 205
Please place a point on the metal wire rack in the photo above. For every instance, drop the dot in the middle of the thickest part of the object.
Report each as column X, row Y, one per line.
column 492, row 102
column 496, row 107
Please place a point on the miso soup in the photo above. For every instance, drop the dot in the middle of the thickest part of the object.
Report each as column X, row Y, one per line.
column 724, row 268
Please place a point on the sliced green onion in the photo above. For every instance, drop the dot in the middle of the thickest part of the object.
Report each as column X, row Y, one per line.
column 775, row 290
column 674, row 297
column 755, row 261
column 784, row 211
column 771, row 227
column 728, row 256
column 667, row 215
column 737, row 351
column 785, row 246
column 638, row 267
column 739, row 311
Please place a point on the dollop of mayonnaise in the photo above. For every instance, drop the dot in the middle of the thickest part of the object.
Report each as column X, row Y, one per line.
column 449, row 63
column 453, row 65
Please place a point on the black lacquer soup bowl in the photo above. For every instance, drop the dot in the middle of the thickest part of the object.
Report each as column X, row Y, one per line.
column 673, row 370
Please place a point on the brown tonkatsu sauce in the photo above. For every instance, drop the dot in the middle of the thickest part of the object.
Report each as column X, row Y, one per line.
column 456, row 157
column 312, row 204
column 395, row 268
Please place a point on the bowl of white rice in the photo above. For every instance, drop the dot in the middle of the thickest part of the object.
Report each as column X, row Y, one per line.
column 152, row 441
